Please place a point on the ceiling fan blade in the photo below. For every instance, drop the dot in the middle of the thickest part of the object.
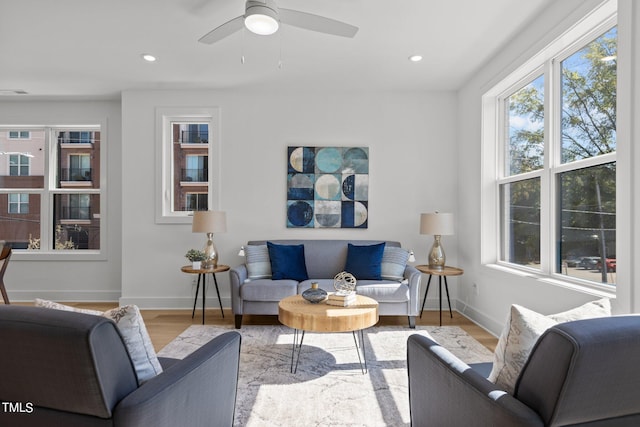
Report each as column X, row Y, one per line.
column 318, row 23
column 223, row 30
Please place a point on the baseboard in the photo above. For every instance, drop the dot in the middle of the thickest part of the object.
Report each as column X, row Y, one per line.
column 489, row 324
column 177, row 303
column 67, row 296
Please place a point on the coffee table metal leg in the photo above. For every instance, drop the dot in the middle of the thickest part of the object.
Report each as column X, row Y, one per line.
column 358, row 346
column 295, row 341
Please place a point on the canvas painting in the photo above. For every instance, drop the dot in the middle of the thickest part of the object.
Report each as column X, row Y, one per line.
column 328, row 187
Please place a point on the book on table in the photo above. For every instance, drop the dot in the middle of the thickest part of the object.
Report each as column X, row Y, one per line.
column 341, row 298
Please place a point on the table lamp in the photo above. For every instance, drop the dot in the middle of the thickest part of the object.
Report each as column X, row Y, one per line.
column 209, row 222
column 437, row 224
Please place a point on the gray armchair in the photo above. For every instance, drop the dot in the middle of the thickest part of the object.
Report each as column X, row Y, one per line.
column 584, row 372
column 72, row 369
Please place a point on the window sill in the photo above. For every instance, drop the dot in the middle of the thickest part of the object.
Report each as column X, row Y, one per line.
column 586, row 288
column 75, row 255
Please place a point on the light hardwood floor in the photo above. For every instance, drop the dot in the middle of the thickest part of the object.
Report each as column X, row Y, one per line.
column 165, row 325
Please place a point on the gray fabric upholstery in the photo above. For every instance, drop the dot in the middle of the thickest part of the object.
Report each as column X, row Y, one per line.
column 324, row 259
column 75, row 370
column 584, row 372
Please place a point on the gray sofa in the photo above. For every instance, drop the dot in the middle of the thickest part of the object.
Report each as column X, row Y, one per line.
column 579, row 373
column 324, row 259
column 68, row 369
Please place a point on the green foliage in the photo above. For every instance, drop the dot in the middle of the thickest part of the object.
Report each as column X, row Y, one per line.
column 195, row 255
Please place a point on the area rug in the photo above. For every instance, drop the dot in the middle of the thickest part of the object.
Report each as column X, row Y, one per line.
column 328, row 388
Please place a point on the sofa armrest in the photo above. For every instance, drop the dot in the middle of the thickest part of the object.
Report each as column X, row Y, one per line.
column 237, row 276
column 413, row 277
column 199, row 390
column 445, row 391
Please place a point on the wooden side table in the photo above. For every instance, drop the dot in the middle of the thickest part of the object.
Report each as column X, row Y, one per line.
column 299, row 314
column 440, row 272
column 202, row 274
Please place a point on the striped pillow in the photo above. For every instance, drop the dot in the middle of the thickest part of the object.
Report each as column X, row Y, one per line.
column 258, row 262
column 394, row 261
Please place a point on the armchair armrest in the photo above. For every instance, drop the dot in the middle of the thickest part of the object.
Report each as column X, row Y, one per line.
column 199, row 390
column 443, row 390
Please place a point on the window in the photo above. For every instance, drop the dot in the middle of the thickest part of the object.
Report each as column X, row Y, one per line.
column 52, row 189
column 19, row 134
column 18, row 165
column 18, row 203
column 555, row 146
column 187, row 163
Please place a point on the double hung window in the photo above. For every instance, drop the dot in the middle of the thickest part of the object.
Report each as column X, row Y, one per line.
column 555, row 149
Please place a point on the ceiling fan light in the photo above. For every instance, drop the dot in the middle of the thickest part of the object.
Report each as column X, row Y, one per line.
column 261, row 20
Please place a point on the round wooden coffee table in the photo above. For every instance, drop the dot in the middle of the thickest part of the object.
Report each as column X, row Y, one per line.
column 299, row 314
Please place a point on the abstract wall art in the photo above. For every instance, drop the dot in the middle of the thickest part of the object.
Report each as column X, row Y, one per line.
column 327, row 187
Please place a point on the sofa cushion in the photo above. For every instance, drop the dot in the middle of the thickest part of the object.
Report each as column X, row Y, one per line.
column 393, row 264
column 268, row 289
column 258, row 262
column 383, row 291
column 522, row 330
column 287, row 262
column 365, row 262
column 134, row 334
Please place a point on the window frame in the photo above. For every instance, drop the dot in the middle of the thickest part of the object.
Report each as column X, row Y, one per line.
column 48, row 191
column 165, row 116
column 494, row 130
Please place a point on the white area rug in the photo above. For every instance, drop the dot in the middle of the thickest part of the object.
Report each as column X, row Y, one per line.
column 329, row 388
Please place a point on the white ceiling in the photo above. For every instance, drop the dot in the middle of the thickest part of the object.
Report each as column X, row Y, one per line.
column 92, row 48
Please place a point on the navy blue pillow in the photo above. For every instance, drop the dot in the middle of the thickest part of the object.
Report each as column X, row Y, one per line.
column 287, row 262
column 365, row 262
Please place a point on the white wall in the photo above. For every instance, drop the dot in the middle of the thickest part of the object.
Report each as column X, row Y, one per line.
column 499, row 289
column 412, row 145
column 86, row 280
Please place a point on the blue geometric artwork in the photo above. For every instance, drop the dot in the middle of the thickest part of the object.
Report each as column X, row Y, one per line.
column 327, row 187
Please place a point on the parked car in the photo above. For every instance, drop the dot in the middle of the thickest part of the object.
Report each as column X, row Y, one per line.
column 573, row 261
column 611, row 264
column 589, row 262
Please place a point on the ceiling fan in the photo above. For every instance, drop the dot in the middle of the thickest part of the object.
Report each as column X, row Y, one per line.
column 263, row 17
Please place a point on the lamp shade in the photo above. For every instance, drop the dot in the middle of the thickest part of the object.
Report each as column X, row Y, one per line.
column 437, row 224
column 209, row 222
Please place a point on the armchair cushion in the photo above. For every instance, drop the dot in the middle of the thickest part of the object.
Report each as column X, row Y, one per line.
column 365, row 262
column 134, row 334
column 287, row 262
column 522, row 330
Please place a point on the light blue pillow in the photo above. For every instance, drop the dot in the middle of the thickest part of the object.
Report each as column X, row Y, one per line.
column 394, row 262
column 287, row 262
column 258, row 263
column 365, row 262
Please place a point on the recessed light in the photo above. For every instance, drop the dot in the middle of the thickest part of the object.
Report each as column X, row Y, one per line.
column 148, row 57
column 415, row 58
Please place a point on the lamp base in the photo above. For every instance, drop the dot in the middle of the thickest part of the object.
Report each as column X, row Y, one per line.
column 437, row 257
column 211, row 253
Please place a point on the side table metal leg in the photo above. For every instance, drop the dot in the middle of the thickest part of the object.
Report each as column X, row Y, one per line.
column 425, row 295
column 218, row 292
column 195, row 300
column 440, row 296
column 204, row 296
column 446, row 287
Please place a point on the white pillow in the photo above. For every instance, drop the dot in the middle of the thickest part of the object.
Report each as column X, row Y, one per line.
column 133, row 331
column 394, row 262
column 258, row 262
column 522, row 330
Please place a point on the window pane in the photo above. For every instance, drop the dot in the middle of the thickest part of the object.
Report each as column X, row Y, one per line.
column 78, row 159
column 22, row 159
column 520, row 219
column 190, row 165
column 587, row 234
column 525, row 147
column 76, row 221
column 20, row 223
column 589, row 99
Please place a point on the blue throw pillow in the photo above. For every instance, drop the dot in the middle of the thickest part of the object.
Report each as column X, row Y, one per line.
column 287, row 262
column 365, row 262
